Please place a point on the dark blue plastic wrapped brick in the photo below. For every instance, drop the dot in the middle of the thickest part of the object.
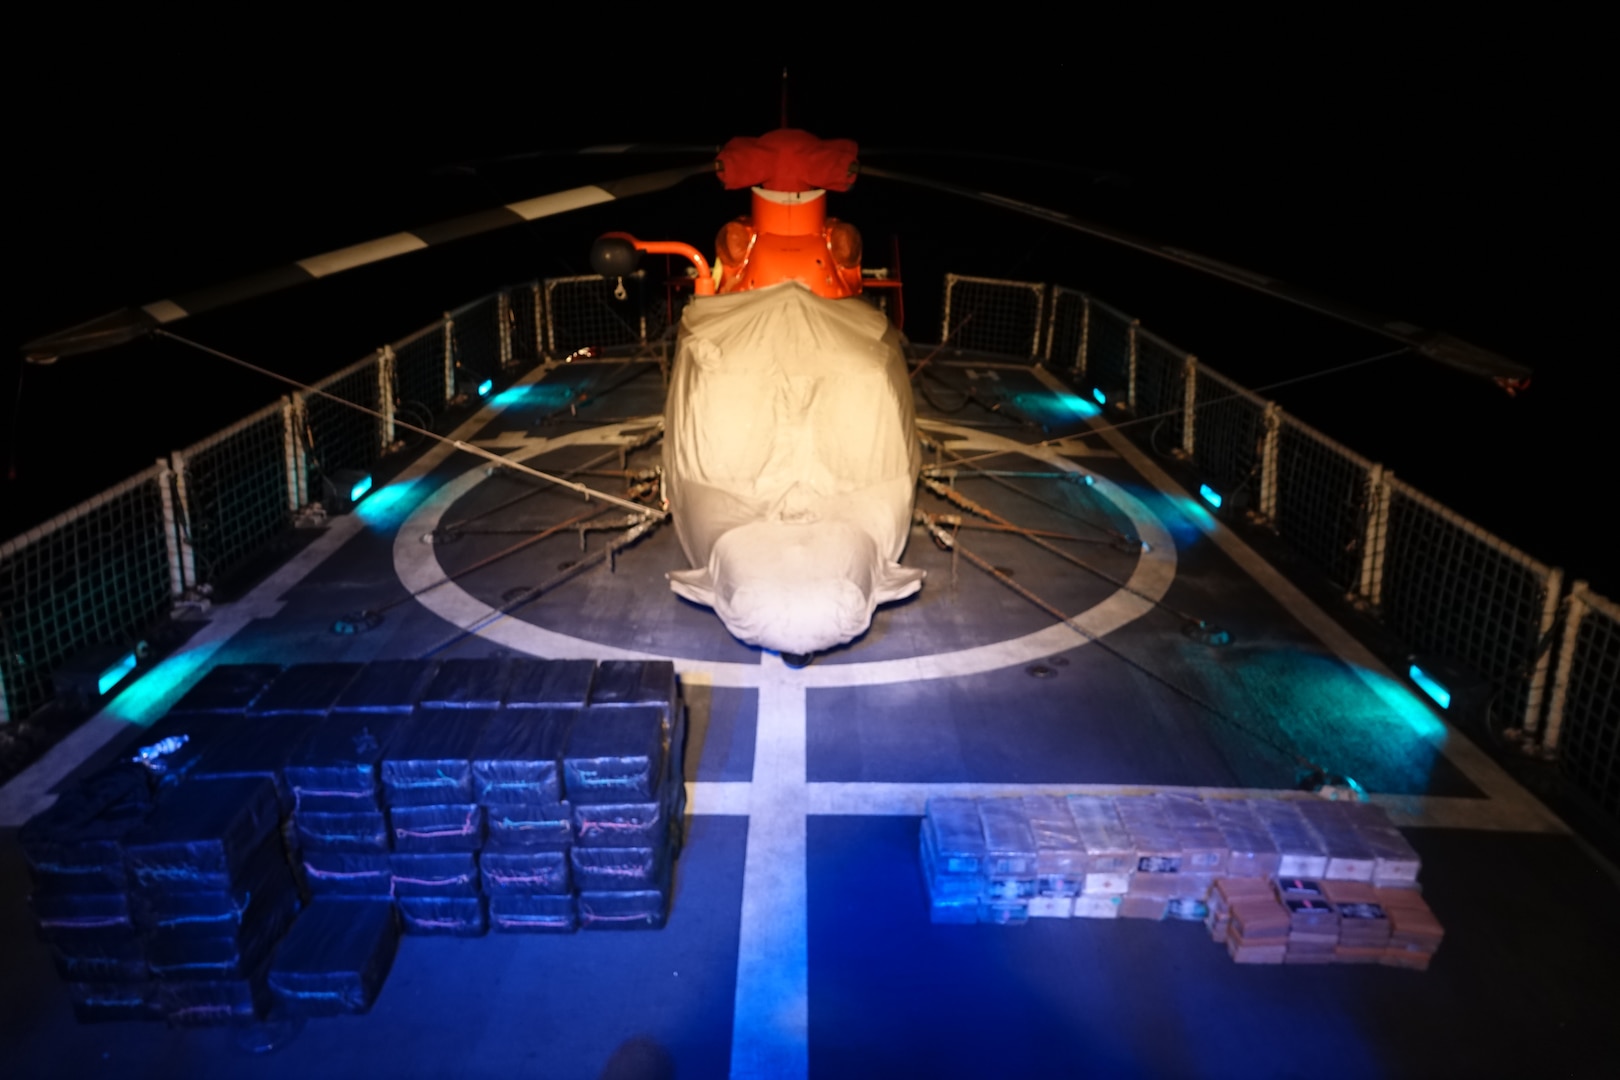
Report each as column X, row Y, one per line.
column 215, row 1002
column 445, row 916
column 520, row 913
column 335, row 959
column 201, row 835
column 640, row 909
column 176, row 956
column 467, row 684
column 446, row 873
column 429, row 762
column 364, row 830
column 457, row 827
column 518, row 760
column 342, row 756
column 635, row 682
column 305, row 690
column 83, row 919
column 617, row 869
column 621, row 824
column 535, row 683
column 227, row 688
column 615, row 755
column 529, row 872
column 519, row 827
column 387, row 686
column 256, row 746
column 119, row 962
column 215, row 912
column 96, row 1002
column 75, row 846
column 336, row 873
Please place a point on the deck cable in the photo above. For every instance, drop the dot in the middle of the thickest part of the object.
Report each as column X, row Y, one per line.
column 587, row 492
column 950, row 542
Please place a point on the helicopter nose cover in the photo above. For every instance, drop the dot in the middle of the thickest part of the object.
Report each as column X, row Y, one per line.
column 790, row 461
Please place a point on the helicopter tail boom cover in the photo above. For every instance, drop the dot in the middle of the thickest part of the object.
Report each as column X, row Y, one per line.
column 790, row 461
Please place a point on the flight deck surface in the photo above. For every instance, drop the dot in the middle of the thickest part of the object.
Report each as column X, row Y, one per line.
column 799, row 940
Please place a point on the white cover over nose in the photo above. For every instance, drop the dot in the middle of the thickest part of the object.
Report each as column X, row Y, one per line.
column 796, row 588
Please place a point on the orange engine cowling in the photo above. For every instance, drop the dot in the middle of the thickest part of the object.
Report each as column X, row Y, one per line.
column 789, row 237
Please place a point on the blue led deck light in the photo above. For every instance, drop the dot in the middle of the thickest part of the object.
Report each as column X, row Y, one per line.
column 1427, row 683
column 485, row 387
column 359, row 490
column 1102, row 398
column 1210, row 495
column 114, row 674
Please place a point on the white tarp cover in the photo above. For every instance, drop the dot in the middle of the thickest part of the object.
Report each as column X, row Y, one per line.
column 790, row 462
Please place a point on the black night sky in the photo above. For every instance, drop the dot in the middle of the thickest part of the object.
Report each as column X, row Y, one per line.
column 1448, row 180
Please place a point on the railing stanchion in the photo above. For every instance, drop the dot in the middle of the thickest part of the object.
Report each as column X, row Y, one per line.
column 385, row 395
column 1130, row 370
column 1189, row 399
column 1370, row 583
column 171, row 529
column 1574, row 613
column 187, row 556
column 1272, row 419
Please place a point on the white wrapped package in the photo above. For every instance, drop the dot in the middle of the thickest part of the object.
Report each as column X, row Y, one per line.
column 790, row 462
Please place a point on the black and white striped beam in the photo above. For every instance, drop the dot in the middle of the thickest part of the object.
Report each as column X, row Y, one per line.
column 127, row 324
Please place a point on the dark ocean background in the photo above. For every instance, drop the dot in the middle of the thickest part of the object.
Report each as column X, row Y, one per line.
column 1455, row 188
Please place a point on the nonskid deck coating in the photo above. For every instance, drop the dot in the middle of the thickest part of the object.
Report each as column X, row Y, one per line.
column 802, row 911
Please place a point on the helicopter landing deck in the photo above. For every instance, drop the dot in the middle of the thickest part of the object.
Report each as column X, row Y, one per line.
column 799, row 941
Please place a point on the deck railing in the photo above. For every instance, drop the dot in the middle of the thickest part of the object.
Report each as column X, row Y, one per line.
column 1500, row 622
column 1549, row 658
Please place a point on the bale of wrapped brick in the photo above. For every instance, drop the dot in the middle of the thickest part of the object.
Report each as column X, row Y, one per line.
column 177, row 954
column 1224, row 892
column 1060, row 855
column 1251, row 853
column 1004, row 912
column 96, row 1002
column 114, row 962
column 953, row 910
column 549, row 683
column 467, row 684
column 1051, row 907
column 426, row 829
column 1395, row 861
column 1098, row 905
column 635, row 682
column 335, row 959
column 617, row 869
column 254, row 746
column 512, row 828
column 519, row 757
column 534, row 872
column 1106, row 841
column 621, row 824
column 615, row 755
column 1203, row 847
column 429, row 759
column 528, row 913
column 201, row 836
column 644, row 906
column 1313, row 931
column 1243, row 952
column 443, row 916
column 1138, row 906
column 954, row 829
column 338, row 769
column 1158, row 848
column 354, row 831
column 1415, row 933
column 340, row 874
column 305, row 690
column 944, row 884
column 1349, row 857
column 1299, row 850
column 386, row 687
column 226, row 689
column 1294, row 888
column 216, row 912
column 215, row 1003
column 447, row 873
column 1258, row 920
column 83, row 920
column 1171, row 886
column 1010, row 852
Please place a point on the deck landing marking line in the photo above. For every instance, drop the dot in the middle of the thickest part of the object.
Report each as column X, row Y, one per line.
column 770, row 1034
column 1469, row 759
column 417, row 567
